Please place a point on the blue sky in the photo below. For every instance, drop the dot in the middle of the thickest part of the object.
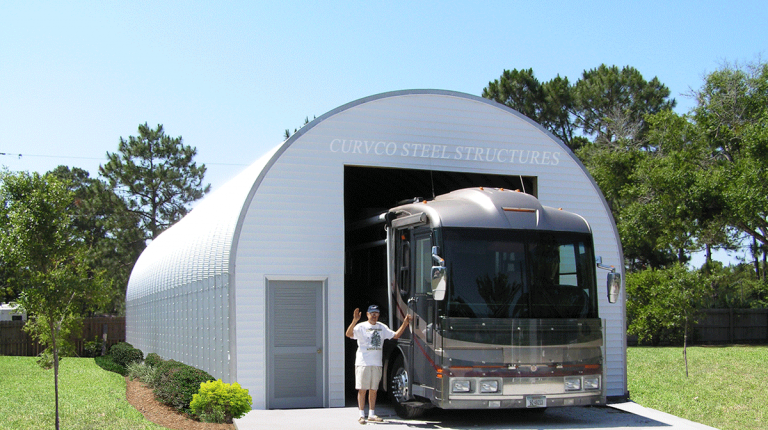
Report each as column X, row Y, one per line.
column 230, row 78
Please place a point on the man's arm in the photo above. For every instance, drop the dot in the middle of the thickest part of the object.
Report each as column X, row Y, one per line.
column 355, row 318
column 401, row 330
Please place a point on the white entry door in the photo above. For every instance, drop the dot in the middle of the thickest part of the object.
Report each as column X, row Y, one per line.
column 296, row 347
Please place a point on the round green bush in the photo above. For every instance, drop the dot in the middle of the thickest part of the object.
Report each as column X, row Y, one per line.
column 153, row 359
column 219, row 402
column 176, row 383
column 124, row 353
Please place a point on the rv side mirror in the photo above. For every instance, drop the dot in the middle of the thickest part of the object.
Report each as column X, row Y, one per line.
column 614, row 286
column 438, row 275
column 438, row 282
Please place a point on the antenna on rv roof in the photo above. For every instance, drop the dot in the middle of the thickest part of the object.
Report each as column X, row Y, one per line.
column 522, row 183
column 432, row 180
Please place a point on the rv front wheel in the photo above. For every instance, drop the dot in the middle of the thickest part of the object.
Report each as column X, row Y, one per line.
column 398, row 391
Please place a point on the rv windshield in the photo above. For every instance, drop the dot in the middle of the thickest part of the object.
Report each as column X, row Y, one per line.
column 519, row 274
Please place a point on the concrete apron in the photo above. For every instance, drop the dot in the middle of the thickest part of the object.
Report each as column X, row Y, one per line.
column 616, row 416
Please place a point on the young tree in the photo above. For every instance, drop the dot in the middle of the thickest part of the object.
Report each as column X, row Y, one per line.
column 157, row 176
column 47, row 262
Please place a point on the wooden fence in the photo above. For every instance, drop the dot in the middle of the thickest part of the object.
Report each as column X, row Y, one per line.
column 724, row 326
column 15, row 341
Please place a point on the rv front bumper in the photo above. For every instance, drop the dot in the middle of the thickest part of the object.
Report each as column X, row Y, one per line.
column 522, row 392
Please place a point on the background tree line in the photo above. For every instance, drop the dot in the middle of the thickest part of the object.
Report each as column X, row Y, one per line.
column 676, row 183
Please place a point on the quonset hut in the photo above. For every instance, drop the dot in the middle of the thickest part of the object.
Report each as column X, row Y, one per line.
column 258, row 282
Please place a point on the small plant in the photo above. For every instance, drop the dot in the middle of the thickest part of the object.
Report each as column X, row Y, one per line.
column 153, row 359
column 176, row 383
column 142, row 371
column 219, row 402
column 216, row 415
column 45, row 359
column 124, row 353
column 92, row 348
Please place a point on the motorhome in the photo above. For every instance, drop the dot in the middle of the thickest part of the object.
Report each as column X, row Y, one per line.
column 502, row 292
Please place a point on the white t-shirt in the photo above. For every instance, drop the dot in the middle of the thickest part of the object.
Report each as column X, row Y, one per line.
column 370, row 339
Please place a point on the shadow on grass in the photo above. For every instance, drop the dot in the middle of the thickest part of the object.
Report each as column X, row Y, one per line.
column 106, row 363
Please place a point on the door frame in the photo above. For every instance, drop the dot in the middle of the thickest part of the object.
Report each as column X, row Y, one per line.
column 269, row 332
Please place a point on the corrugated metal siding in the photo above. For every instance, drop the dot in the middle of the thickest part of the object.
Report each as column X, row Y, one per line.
column 178, row 296
column 294, row 224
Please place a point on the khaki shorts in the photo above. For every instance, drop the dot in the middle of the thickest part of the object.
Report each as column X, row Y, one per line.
column 367, row 377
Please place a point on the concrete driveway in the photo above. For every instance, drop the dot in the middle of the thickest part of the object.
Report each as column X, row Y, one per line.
column 617, row 416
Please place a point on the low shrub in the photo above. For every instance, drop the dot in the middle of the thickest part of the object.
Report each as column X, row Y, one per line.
column 124, row 353
column 217, row 402
column 164, row 367
column 176, row 383
column 142, row 371
column 153, row 359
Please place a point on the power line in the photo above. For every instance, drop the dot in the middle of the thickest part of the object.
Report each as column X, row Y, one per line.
column 104, row 159
column 49, row 156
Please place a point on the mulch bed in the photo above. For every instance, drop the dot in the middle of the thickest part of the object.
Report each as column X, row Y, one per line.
column 143, row 399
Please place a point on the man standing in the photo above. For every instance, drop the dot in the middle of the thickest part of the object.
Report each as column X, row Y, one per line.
column 370, row 336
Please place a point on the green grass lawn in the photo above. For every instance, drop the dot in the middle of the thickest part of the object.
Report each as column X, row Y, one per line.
column 727, row 387
column 89, row 397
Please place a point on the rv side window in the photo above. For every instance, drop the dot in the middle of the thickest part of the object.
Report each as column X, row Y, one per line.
column 403, row 258
column 568, row 275
column 423, row 264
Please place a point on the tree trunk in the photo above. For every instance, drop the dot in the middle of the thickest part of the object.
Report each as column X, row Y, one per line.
column 685, row 347
column 754, row 255
column 55, row 349
column 708, row 255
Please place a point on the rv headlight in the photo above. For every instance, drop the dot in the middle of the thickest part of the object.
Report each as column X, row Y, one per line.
column 461, row 387
column 489, row 386
column 592, row 382
column 572, row 383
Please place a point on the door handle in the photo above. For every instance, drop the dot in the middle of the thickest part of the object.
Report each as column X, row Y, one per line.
column 319, row 350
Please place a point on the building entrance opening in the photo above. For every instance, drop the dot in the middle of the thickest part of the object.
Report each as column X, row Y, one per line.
column 369, row 192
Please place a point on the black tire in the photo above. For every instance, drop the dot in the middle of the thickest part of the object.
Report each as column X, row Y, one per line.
column 398, row 391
